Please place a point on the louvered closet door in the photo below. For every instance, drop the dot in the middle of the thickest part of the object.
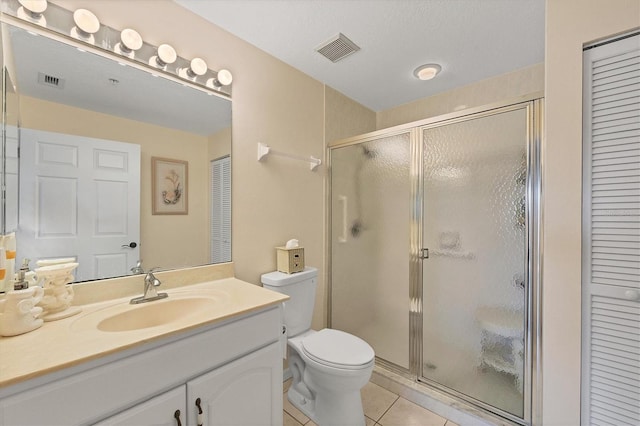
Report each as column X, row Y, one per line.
column 221, row 210
column 611, row 234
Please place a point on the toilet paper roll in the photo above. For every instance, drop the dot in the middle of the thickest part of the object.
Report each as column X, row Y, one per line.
column 292, row 244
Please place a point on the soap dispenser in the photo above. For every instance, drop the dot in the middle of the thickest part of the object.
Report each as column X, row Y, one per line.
column 18, row 311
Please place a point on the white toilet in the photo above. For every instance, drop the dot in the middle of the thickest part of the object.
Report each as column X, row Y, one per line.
column 329, row 367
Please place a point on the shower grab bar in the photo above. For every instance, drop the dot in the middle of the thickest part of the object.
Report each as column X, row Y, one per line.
column 343, row 199
column 264, row 150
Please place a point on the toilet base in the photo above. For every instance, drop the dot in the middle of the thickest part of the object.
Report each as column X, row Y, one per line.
column 334, row 409
column 308, row 407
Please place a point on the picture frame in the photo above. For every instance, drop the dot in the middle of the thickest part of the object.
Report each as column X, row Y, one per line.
column 169, row 186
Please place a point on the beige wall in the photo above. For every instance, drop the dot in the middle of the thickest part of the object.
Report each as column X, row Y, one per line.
column 570, row 24
column 278, row 198
column 496, row 89
column 166, row 241
column 220, row 144
column 344, row 117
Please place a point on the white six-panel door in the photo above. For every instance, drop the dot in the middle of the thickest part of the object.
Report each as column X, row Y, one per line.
column 79, row 197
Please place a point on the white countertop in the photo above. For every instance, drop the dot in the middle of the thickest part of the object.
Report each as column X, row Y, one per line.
column 74, row 340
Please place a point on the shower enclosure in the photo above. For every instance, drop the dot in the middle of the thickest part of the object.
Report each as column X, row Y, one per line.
column 434, row 233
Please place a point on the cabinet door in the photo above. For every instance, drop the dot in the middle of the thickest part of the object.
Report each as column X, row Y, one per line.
column 161, row 410
column 247, row 391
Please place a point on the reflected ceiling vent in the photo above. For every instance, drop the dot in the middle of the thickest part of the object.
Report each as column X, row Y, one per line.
column 51, row 81
column 337, row 48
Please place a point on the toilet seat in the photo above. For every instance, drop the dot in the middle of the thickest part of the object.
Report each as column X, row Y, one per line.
column 337, row 349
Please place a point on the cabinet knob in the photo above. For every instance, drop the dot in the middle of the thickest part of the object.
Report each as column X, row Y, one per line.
column 176, row 416
column 632, row 295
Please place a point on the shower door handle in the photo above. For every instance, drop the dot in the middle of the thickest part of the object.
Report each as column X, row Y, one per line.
column 424, row 253
column 343, row 200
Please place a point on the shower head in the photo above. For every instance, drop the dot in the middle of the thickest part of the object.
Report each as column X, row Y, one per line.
column 356, row 228
column 369, row 153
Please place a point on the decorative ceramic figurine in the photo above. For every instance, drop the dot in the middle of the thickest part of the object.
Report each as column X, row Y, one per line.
column 19, row 313
column 57, row 294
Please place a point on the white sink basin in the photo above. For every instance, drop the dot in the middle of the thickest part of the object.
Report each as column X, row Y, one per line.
column 155, row 313
column 124, row 317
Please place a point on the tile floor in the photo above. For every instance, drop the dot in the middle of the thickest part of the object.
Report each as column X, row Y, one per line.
column 381, row 407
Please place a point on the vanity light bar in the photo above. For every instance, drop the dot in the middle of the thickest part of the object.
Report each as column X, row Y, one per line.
column 84, row 27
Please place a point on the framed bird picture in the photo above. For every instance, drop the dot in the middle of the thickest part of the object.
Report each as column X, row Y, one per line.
column 169, row 180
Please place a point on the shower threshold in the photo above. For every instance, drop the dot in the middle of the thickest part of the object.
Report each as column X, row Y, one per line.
column 441, row 403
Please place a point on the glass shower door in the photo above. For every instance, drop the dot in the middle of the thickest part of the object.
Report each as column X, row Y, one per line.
column 370, row 209
column 474, row 271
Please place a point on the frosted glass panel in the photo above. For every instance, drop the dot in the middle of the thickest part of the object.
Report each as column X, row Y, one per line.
column 474, row 278
column 370, row 212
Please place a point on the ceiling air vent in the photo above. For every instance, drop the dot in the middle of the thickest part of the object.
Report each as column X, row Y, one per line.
column 51, row 81
column 336, row 48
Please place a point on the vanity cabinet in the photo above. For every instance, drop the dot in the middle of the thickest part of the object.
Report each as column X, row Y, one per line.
column 247, row 391
column 233, row 366
column 162, row 410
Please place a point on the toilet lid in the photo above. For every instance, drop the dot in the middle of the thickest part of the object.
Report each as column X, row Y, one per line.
column 338, row 349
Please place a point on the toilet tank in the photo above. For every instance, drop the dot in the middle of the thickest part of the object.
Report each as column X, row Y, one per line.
column 301, row 288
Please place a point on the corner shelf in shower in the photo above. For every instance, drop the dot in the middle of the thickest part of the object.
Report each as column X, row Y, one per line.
column 502, row 341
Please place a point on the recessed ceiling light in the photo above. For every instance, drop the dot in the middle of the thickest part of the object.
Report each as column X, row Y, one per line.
column 427, row 71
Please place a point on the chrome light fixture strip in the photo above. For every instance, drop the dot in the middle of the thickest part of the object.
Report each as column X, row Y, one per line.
column 59, row 25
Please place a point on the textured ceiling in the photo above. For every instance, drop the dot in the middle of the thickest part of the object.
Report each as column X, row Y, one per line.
column 471, row 39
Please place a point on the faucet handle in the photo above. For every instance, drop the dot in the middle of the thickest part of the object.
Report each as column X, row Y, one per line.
column 151, row 280
column 150, row 292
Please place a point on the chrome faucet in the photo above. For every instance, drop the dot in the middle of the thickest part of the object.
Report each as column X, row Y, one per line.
column 136, row 270
column 150, row 292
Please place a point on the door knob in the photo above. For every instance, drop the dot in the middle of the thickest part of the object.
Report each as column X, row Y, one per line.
column 132, row 245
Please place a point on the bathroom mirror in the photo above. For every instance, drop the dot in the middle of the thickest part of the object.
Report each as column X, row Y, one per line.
column 90, row 111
